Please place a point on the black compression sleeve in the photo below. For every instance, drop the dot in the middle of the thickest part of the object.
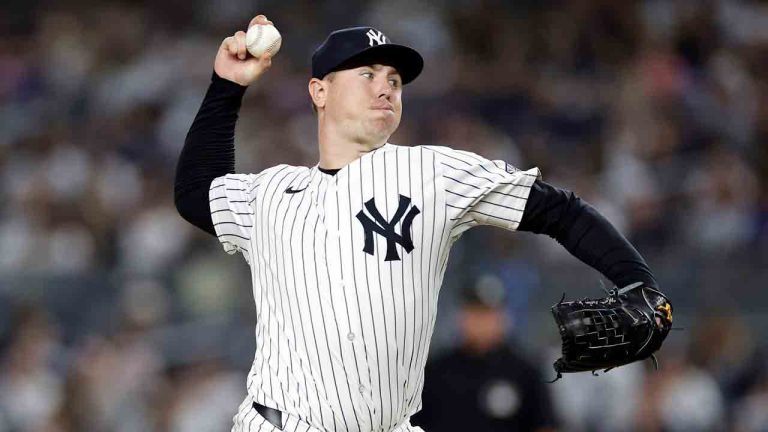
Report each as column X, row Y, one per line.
column 209, row 151
column 585, row 233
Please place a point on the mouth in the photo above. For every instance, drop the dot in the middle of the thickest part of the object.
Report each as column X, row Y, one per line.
column 383, row 108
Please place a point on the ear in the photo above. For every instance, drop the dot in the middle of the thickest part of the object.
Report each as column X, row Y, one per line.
column 318, row 92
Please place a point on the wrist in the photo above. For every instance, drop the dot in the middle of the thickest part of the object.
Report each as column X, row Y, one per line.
column 225, row 85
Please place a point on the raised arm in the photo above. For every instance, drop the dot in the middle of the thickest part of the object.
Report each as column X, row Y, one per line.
column 209, row 149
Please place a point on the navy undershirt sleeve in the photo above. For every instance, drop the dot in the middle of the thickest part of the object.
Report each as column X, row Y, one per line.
column 585, row 233
column 209, row 151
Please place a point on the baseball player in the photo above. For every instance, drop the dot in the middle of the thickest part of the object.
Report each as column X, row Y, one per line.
column 347, row 256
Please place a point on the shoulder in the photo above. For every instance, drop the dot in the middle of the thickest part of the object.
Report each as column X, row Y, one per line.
column 283, row 169
column 433, row 151
column 278, row 171
column 452, row 155
column 280, row 176
column 450, row 159
column 416, row 152
column 255, row 179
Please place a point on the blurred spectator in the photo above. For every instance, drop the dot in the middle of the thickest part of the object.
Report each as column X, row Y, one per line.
column 204, row 398
column 682, row 397
column 609, row 402
column 723, row 195
column 31, row 391
column 487, row 383
column 113, row 384
column 750, row 413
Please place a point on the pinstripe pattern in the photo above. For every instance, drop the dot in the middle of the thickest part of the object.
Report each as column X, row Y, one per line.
column 342, row 335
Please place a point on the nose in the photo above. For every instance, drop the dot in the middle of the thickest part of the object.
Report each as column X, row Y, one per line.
column 385, row 90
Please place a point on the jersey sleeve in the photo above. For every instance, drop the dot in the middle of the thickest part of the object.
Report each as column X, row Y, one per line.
column 231, row 198
column 479, row 191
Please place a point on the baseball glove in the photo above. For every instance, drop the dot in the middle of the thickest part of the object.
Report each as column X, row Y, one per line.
column 629, row 324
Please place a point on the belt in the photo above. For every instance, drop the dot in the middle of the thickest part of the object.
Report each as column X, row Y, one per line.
column 272, row 415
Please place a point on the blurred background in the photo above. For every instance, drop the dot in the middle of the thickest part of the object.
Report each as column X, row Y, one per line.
column 116, row 315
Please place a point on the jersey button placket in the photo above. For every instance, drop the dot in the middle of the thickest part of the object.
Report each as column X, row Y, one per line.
column 327, row 220
column 333, row 221
column 322, row 216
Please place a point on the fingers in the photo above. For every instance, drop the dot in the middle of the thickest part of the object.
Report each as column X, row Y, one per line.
column 260, row 64
column 266, row 60
column 240, row 42
column 235, row 45
column 230, row 45
column 259, row 19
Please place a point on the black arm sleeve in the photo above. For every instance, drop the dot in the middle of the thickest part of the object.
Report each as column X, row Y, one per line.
column 209, row 151
column 585, row 233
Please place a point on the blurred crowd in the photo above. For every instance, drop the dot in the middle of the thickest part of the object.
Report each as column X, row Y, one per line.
column 116, row 315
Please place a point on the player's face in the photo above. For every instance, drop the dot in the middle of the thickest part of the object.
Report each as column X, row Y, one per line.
column 366, row 101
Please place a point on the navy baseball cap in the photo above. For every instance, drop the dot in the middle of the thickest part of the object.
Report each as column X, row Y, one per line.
column 358, row 46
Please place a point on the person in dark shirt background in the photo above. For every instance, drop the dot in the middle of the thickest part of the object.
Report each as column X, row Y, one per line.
column 485, row 384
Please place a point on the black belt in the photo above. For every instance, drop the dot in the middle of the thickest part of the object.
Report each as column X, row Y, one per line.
column 272, row 415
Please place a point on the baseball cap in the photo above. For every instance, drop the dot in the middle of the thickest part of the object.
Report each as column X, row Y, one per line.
column 358, row 46
column 485, row 290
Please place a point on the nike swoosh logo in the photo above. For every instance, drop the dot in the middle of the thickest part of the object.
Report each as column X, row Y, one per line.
column 291, row 190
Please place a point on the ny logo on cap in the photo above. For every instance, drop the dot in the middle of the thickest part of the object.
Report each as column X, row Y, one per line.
column 376, row 36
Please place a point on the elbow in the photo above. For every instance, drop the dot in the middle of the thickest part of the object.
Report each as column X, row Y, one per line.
column 178, row 193
column 192, row 205
column 178, row 184
column 181, row 204
column 177, row 202
column 190, row 199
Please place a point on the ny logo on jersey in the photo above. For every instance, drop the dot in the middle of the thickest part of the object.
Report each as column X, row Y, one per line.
column 385, row 228
column 376, row 36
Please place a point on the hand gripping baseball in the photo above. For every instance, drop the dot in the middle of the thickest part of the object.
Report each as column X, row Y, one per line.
column 233, row 62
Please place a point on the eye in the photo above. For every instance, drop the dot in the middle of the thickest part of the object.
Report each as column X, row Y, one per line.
column 367, row 74
column 394, row 82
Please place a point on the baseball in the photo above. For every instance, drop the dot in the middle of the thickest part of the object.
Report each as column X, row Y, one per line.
column 262, row 39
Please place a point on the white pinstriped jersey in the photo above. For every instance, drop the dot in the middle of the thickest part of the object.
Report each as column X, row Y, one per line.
column 346, row 270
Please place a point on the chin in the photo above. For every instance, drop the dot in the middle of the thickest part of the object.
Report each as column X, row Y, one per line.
column 382, row 127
